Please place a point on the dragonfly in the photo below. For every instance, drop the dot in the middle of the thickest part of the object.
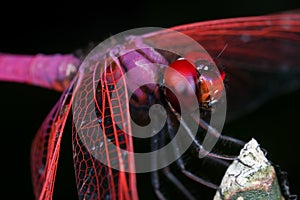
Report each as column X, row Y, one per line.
column 242, row 47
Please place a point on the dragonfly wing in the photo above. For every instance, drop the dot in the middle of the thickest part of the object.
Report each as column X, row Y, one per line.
column 98, row 116
column 260, row 54
column 46, row 146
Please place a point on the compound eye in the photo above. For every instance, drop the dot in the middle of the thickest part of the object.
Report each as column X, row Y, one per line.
column 181, row 83
column 210, row 82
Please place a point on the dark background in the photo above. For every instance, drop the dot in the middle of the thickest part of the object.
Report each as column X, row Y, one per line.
column 62, row 27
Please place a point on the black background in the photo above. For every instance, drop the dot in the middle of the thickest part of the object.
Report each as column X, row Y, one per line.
column 62, row 27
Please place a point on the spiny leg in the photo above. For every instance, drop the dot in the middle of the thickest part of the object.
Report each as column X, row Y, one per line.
column 212, row 156
column 157, row 143
column 203, row 124
column 154, row 174
column 181, row 164
column 198, row 147
column 167, row 172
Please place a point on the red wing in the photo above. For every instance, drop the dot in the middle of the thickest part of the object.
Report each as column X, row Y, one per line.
column 259, row 54
column 98, row 115
column 46, row 146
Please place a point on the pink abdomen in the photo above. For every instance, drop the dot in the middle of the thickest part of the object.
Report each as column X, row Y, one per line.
column 48, row 71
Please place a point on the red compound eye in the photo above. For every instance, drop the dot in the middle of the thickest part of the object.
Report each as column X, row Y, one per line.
column 181, row 83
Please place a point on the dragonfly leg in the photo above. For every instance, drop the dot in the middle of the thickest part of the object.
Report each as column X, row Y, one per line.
column 200, row 149
column 197, row 145
column 166, row 171
column 156, row 185
column 210, row 130
column 157, row 143
column 183, row 169
column 154, row 174
column 203, row 124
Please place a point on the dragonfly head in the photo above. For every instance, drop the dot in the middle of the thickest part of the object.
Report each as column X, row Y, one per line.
column 184, row 80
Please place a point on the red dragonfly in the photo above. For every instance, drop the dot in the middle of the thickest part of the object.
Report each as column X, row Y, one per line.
column 263, row 47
